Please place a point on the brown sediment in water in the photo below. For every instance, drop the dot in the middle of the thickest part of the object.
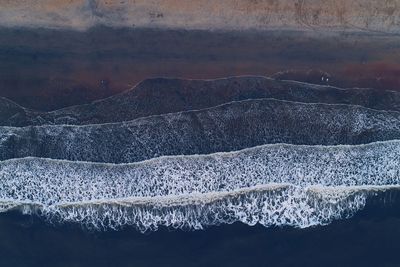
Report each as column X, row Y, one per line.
column 49, row 69
column 379, row 74
column 55, row 53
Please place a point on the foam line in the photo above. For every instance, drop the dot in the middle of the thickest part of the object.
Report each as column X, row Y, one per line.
column 271, row 185
column 228, row 127
column 169, row 95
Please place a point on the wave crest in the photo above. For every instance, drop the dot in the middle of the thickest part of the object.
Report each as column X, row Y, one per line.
column 229, row 127
column 268, row 205
column 311, row 185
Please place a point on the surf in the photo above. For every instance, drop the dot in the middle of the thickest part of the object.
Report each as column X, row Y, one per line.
column 278, row 184
column 228, row 127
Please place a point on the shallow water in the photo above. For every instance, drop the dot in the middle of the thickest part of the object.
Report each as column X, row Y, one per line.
column 49, row 69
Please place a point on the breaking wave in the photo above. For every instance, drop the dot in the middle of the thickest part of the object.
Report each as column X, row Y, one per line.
column 268, row 205
column 228, row 127
column 271, row 185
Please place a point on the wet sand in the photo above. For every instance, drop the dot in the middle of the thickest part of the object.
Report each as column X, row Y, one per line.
column 48, row 69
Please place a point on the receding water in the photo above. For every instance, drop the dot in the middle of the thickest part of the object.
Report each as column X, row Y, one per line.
column 368, row 239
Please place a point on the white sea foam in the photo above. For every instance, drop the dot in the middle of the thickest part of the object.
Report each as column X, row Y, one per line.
column 228, row 127
column 268, row 205
column 271, row 185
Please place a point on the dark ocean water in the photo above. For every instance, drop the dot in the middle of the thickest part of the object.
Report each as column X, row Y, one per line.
column 370, row 238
